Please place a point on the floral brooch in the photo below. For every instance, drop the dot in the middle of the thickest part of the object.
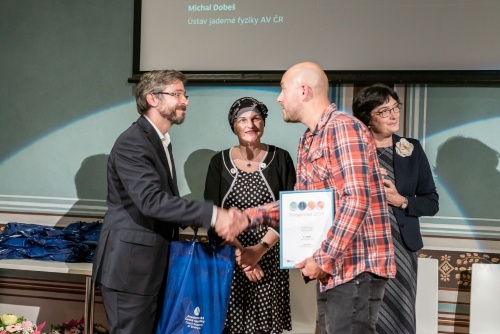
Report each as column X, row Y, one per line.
column 404, row 148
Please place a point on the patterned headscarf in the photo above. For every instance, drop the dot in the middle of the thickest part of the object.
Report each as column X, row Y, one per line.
column 245, row 104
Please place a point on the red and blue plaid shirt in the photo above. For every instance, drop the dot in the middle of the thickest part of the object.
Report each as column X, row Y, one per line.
column 340, row 154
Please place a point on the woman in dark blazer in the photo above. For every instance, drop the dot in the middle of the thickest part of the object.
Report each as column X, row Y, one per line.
column 411, row 193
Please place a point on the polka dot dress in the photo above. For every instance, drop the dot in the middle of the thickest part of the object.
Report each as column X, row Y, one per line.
column 264, row 305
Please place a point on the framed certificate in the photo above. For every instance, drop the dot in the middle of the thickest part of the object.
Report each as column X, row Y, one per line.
column 305, row 218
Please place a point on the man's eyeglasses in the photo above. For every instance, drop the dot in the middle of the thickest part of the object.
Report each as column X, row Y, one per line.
column 176, row 94
column 386, row 112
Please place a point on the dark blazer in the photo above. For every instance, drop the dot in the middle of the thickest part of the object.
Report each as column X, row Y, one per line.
column 144, row 214
column 414, row 180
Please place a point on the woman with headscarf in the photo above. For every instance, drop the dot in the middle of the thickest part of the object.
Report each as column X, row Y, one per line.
column 246, row 175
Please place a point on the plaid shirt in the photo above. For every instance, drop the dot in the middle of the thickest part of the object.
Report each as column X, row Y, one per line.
column 340, row 154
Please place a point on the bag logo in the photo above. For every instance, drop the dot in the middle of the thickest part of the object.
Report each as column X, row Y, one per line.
column 195, row 321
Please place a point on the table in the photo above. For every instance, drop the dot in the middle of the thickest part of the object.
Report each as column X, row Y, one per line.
column 84, row 269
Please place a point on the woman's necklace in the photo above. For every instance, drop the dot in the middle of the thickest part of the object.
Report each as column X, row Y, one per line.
column 249, row 162
column 383, row 145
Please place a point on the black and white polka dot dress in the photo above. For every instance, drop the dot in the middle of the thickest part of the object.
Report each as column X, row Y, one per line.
column 264, row 305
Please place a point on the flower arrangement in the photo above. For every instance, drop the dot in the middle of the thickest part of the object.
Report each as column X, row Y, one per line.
column 12, row 324
column 404, row 148
column 75, row 327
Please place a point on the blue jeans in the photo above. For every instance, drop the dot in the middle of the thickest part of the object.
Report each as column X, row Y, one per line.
column 352, row 307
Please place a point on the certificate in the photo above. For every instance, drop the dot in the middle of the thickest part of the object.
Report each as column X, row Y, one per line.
column 305, row 218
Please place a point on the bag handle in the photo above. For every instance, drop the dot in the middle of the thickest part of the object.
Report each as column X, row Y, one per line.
column 213, row 242
column 195, row 229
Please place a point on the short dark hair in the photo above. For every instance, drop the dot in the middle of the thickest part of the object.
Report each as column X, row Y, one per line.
column 370, row 98
column 154, row 82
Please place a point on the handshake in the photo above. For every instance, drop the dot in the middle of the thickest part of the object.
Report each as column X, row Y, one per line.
column 231, row 223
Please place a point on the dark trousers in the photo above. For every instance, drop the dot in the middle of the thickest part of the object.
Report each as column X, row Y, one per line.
column 352, row 307
column 129, row 313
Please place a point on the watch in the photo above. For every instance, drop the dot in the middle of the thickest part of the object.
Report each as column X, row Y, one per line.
column 405, row 204
column 265, row 245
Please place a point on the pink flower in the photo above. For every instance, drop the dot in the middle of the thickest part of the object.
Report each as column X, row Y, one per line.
column 26, row 324
column 12, row 328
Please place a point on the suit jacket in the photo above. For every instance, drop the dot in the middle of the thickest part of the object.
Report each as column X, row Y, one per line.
column 144, row 214
column 414, row 180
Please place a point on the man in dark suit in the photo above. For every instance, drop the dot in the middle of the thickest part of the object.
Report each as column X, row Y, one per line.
column 145, row 210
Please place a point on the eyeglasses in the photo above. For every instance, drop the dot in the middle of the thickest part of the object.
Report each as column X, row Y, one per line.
column 176, row 94
column 386, row 112
column 243, row 120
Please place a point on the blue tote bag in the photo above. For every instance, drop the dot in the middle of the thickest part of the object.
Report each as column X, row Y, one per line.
column 198, row 288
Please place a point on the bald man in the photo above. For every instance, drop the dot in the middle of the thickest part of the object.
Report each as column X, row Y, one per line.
column 337, row 152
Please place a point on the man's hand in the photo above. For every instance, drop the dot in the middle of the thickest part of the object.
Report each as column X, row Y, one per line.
column 311, row 269
column 230, row 223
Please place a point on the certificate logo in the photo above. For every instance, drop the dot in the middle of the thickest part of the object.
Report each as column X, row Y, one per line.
column 302, row 206
column 320, row 205
column 311, row 205
column 293, row 206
